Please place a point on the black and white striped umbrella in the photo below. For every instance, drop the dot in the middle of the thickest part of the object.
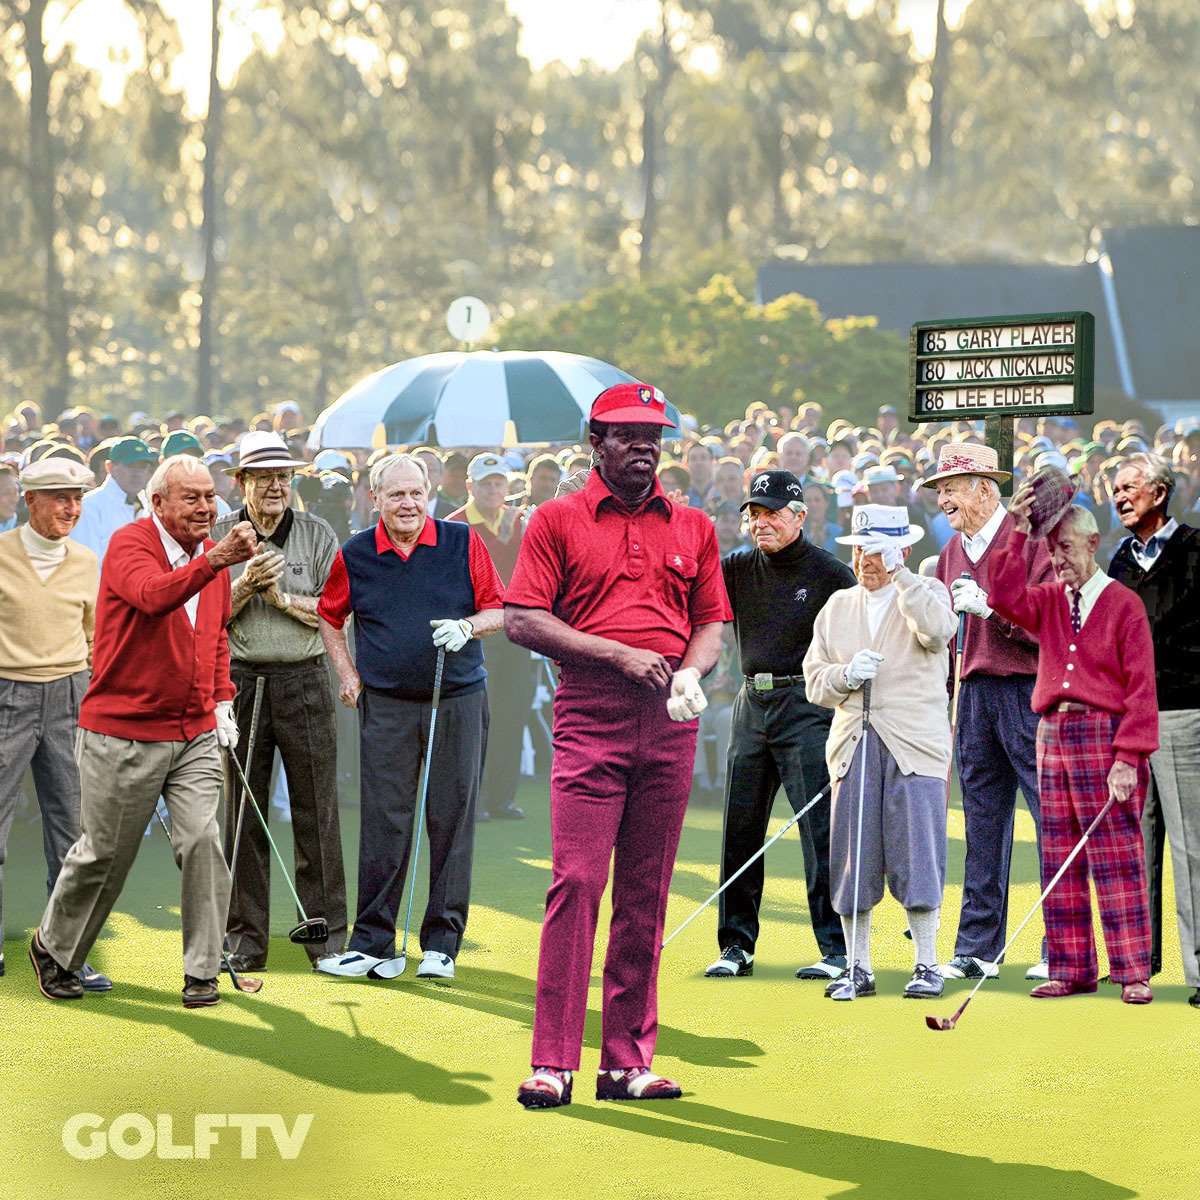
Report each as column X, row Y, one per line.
column 481, row 398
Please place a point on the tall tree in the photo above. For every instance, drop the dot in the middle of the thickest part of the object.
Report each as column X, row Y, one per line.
column 211, row 212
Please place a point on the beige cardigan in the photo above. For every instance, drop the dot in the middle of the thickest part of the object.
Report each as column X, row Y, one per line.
column 908, row 696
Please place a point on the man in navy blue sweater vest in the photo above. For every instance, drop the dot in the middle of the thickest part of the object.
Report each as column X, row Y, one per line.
column 407, row 574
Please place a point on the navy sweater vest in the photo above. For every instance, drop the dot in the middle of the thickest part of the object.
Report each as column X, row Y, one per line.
column 394, row 600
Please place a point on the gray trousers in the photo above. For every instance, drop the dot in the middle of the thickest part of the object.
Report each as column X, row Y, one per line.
column 37, row 731
column 1175, row 793
column 121, row 782
column 903, row 834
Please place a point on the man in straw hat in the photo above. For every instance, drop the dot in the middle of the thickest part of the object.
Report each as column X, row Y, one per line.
column 48, row 597
column 1099, row 725
column 996, row 738
column 893, row 629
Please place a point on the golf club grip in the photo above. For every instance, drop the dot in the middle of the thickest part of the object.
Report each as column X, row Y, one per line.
column 437, row 675
column 866, row 691
column 962, row 629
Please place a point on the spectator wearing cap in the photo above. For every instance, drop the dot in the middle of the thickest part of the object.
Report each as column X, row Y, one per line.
column 48, row 599
column 408, row 575
column 883, row 485
column 273, row 636
column 776, row 588
column 153, row 720
column 10, row 498
column 887, row 419
column 1095, row 693
column 119, row 500
column 997, row 727
column 543, row 475
column 892, row 631
column 180, row 441
column 286, row 416
column 1160, row 561
column 511, row 678
column 623, row 589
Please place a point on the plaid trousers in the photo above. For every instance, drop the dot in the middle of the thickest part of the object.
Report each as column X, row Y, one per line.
column 1074, row 756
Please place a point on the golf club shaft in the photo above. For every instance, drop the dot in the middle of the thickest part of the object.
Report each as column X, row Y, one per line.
column 241, row 804
column 852, row 950
column 958, row 657
column 748, row 863
column 1042, row 898
column 412, row 882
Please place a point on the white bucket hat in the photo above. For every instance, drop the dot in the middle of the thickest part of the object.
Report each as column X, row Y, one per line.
column 881, row 520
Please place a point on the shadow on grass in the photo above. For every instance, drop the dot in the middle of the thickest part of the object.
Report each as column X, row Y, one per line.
column 875, row 1169
column 288, row 1041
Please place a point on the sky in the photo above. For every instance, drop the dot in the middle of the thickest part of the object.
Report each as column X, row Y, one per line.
column 605, row 31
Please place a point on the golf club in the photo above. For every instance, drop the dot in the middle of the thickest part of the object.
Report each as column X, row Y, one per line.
column 242, row 983
column 943, row 1023
column 310, row 929
column 746, row 865
column 241, row 801
column 852, row 949
column 393, row 968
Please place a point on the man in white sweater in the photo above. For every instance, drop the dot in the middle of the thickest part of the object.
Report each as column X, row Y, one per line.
column 48, row 587
column 893, row 630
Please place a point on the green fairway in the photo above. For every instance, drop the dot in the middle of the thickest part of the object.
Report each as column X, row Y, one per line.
column 411, row 1085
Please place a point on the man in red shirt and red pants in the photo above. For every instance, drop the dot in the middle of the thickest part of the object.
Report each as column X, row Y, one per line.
column 1096, row 695
column 159, row 708
column 624, row 590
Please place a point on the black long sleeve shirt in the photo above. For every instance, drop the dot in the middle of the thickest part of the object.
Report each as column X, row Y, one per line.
column 776, row 598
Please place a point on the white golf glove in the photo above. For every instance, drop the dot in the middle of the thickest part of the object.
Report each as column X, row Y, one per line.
column 227, row 727
column 863, row 666
column 450, row 634
column 968, row 597
column 886, row 548
column 687, row 700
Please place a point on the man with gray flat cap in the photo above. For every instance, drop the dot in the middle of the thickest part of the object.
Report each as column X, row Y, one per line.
column 48, row 600
column 776, row 589
column 273, row 635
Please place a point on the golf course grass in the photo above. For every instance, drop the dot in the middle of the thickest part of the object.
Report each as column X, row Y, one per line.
column 411, row 1085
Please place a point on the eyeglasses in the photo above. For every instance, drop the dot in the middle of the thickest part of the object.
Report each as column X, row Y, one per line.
column 283, row 478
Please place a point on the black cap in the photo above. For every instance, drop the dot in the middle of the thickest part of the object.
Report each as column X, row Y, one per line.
column 774, row 489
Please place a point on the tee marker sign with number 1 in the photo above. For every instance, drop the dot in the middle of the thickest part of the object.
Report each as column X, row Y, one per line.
column 997, row 368
column 468, row 319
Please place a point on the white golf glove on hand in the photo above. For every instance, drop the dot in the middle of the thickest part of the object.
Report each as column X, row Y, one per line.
column 886, row 548
column 863, row 666
column 227, row 727
column 450, row 634
column 968, row 597
column 687, row 699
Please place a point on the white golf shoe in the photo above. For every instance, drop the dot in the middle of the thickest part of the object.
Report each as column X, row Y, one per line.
column 1039, row 970
column 354, row 963
column 435, row 965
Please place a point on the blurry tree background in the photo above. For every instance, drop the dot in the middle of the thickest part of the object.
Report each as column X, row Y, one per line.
column 381, row 157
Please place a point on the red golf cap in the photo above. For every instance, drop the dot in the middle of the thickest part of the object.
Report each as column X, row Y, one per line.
column 631, row 404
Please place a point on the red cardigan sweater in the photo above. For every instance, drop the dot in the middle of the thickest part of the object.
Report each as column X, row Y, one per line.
column 154, row 677
column 1109, row 664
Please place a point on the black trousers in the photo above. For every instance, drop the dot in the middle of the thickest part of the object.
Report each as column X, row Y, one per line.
column 777, row 738
column 393, row 735
column 297, row 717
column 511, row 683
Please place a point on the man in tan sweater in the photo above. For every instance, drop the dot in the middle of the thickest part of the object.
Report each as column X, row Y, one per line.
column 894, row 630
column 48, row 586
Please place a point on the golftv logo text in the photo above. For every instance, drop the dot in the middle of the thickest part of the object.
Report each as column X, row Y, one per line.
column 135, row 1135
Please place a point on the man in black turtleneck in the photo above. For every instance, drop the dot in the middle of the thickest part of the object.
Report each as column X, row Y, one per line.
column 776, row 589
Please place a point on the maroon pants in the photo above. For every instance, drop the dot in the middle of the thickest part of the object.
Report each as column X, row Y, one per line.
column 1074, row 755
column 618, row 791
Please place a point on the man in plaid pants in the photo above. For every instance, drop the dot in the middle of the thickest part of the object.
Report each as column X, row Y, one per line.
column 1095, row 692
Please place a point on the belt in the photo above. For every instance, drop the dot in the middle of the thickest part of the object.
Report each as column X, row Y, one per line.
column 1071, row 706
column 764, row 681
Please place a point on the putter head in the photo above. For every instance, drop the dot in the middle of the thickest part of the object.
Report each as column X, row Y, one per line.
column 390, row 968
column 940, row 1022
column 316, row 929
column 243, row 983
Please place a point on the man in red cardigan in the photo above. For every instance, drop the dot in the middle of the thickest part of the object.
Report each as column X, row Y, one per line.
column 152, row 723
column 1095, row 692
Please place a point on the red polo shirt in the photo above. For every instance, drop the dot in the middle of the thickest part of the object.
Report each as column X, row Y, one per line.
column 644, row 578
column 334, row 604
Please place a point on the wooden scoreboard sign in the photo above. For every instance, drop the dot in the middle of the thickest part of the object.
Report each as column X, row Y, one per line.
column 1025, row 366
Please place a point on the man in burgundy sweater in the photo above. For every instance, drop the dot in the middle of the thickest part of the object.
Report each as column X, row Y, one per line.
column 1099, row 725
column 997, row 729
column 159, row 708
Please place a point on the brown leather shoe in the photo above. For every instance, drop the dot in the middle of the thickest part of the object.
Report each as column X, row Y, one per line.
column 1136, row 993
column 1053, row 989
column 200, row 993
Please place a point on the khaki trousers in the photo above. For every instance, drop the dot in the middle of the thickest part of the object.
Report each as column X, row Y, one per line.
column 121, row 782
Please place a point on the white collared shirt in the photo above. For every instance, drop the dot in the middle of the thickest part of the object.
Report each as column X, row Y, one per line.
column 104, row 511
column 178, row 557
column 1146, row 553
column 1089, row 594
column 976, row 544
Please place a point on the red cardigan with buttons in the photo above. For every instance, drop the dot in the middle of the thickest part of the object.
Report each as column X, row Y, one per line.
column 1108, row 665
column 154, row 677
